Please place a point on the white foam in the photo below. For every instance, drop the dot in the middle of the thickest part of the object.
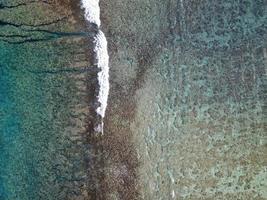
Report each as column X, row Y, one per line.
column 91, row 11
column 173, row 194
column 92, row 14
column 103, row 75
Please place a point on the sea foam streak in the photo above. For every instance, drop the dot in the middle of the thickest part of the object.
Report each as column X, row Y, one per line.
column 92, row 15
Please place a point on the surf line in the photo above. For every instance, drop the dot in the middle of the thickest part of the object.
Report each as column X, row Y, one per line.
column 92, row 15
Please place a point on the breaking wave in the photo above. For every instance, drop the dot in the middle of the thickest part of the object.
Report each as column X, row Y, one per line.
column 92, row 15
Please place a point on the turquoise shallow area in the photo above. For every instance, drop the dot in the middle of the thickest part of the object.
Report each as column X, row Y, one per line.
column 39, row 159
column 32, row 107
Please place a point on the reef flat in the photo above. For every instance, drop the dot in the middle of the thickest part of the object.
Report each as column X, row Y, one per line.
column 188, row 90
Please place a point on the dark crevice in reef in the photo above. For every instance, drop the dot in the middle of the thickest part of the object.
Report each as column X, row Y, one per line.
column 74, row 70
column 29, row 33
column 42, row 32
column 2, row 6
column 5, row 23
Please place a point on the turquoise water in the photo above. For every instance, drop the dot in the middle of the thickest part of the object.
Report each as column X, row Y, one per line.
column 39, row 158
column 25, row 125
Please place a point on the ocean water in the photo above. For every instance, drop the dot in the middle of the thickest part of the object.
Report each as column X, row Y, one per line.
column 41, row 76
column 34, row 111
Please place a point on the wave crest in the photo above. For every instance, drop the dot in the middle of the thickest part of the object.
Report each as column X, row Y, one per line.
column 92, row 15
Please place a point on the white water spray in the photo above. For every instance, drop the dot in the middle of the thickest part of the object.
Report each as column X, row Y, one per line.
column 92, row 15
